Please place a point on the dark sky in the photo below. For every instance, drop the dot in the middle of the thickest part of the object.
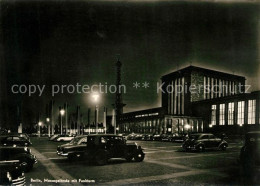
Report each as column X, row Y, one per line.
column 69, row 42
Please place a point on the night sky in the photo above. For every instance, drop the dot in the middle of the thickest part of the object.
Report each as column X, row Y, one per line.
column 67, row 42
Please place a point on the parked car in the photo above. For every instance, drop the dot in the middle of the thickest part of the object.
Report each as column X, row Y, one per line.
column 202, row 141
column 147, row 137
column 134, row 136
column 14, row 140
column 11, row 173
column 63, row 137
column 77, row 142
column 23, row 154
column 250, row 154
column 20, row 135
column 166, row 137
column 100, row 148
column 53, row 137
column 176, row 137
column 157, row 137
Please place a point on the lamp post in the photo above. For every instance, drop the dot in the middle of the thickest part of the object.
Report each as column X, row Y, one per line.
column 39, row 124
column 62, row 112
column 95, row 97
column 49, row 127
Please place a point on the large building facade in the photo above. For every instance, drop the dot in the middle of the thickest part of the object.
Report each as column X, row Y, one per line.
column 196, row 99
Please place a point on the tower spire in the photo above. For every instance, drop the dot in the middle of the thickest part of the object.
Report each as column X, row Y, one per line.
column 118, row 101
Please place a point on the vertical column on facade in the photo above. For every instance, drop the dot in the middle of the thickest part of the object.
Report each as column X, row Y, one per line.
column 182, row 97
column 223, row 87
column 257, row 111
column 217, row 88
column 168, row 93
column 180, row 94
column 227, row 83
column 172, row 97
column 233, row 87
column 179, row 97
column 204, row 85
column 211, row 92
column 208, row 83
column 175, row 96
column 220, row 88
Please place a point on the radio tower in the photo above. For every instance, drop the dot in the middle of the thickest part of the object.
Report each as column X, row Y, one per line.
column 118, row 102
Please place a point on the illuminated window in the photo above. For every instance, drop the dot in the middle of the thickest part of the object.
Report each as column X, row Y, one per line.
column 221, row 114
column 213, row 114
column 251, row 111
column 230, row 113
column 240, row 113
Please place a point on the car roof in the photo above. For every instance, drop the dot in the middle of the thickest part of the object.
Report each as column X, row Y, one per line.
column 202, row 134
column 254, row 132
column 107, row 135
column 81, row 136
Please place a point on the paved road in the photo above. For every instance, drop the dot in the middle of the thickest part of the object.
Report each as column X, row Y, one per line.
column 165, row 163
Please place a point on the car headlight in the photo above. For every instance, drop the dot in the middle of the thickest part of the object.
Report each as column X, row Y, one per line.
column 8, row 175
column 27, row 149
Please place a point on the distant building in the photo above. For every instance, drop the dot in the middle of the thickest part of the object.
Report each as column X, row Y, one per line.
column 196, row 99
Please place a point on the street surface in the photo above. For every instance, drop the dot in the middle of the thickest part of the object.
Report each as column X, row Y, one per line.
column 164, row 163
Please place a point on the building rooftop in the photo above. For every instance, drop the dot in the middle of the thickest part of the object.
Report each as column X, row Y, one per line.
column 205, row 71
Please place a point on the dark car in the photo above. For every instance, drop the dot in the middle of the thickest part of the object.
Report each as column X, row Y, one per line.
column 250, row 154
column 202, row 141
column 77, row 146
column 26, row 136
column 100, row 148
column 11, row 173
column 134, row 136
column 147, row 137
column 14, row 140
column 157, row 137
column 176, row 137
column 23, row 154
column 166, row 137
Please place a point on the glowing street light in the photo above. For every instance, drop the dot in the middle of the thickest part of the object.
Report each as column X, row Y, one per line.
column 62, row 112
column 39, row 124
column 95, row 97
column 49, row 129
column 187, row 126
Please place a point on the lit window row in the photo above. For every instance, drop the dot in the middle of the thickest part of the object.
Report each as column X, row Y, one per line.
column 231, row 113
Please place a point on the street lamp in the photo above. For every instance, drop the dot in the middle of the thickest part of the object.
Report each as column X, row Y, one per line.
column 187, row 126
column 49, row 129
column 62, row 112
column 39, row 124
column 95, row 97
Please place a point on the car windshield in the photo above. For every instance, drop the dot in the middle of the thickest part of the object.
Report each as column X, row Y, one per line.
column 75, row 140
column 195, row 137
